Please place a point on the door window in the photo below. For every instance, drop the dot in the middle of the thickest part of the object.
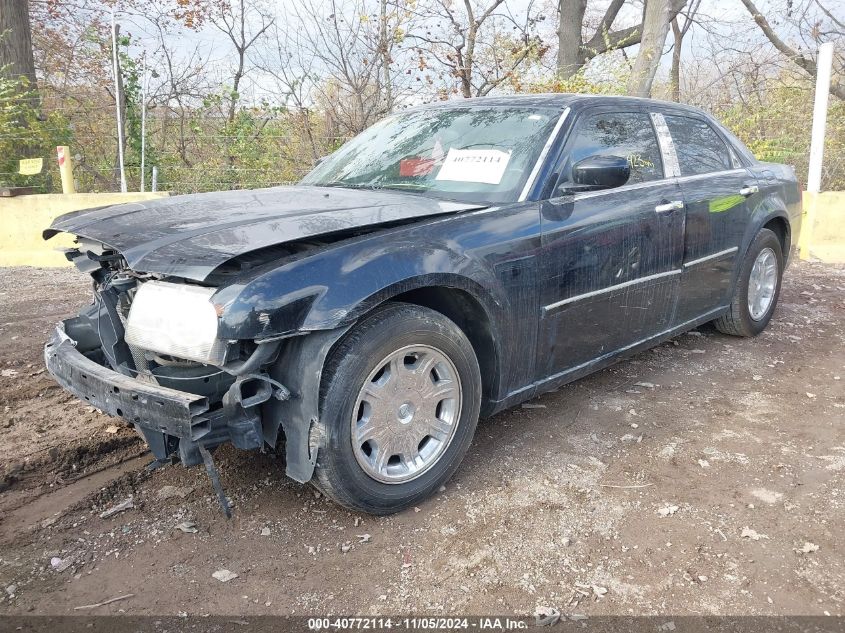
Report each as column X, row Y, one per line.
column 625, row 134
column 700, row 150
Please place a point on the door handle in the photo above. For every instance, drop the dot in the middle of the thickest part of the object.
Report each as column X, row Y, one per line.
column 675, row 205
column 748, row 190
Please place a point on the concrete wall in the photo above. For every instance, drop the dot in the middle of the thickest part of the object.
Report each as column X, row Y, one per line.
column 823, row 234
column 22, row 219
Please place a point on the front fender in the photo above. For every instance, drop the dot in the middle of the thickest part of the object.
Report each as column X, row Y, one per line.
column 335, row 286
column 324, row 294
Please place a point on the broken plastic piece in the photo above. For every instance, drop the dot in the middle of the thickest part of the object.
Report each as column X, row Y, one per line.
column 211, row 469
column 156, row 464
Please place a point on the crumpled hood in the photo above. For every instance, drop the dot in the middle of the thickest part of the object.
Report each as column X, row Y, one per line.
column 189, row 236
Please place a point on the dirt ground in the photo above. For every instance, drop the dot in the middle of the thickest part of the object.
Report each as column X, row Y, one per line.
column 704, row 476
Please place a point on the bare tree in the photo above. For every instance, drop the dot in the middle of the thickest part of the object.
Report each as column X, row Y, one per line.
column 814, row 29
column 480, row 46
column 180, row 80
column 235, row 20
column 574, row 51
column 16, row 40
column 293, row 80
column 338, row 55
column 681, row 23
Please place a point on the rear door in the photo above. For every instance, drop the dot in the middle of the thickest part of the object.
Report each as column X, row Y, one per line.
column 610, row 260
column 718, row 192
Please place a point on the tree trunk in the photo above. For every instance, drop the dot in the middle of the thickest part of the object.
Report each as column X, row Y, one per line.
column 675, row 72
column 469, row 54
column 306, row 123
column 570, row 58
column 385, row 57
column 655, row 29
column 16, row 40
column 236, row 85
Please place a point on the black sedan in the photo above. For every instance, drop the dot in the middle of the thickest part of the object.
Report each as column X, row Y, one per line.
column 451, row 261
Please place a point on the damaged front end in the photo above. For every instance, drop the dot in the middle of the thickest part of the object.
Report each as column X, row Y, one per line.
column 146, row 351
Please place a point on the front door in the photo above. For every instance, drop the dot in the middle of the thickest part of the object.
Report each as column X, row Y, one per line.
column 610, row 259
column 718, row 192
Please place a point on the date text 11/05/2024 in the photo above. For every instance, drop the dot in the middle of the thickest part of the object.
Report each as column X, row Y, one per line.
column 423, row 623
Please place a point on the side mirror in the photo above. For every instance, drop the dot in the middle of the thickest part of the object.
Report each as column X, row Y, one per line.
column 601, row 172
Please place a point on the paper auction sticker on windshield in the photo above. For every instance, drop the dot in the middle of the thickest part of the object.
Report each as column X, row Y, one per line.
column 474, row 165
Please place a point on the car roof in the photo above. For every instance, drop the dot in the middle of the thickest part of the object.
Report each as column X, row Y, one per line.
column 558, row 101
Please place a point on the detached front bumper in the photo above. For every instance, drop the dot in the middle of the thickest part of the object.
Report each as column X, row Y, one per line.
column 170, row 421
column 272, row 402
column 144, row 404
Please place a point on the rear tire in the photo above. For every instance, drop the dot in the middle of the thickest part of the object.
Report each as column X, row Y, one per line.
column 406, row 377
column 746, row 318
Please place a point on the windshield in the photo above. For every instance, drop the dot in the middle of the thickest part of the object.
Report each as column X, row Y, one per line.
column 470, row 154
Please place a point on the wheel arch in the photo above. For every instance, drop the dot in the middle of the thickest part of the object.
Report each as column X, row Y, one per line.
column 302, row 360
column 464, row 304
column 779, row 225
column 765, row 216
column 467, row 312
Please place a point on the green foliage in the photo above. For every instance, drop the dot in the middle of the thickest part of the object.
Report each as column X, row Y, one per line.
column 613, row 83
column 262, row 147
column 777, row 127
column 25, row 134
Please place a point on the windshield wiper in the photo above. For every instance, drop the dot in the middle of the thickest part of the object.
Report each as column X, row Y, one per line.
column 346, row 185
column 414, row 188
column 405, row 185
column 393, row 185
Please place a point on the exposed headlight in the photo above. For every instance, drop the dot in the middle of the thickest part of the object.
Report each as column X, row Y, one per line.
column 175, row 319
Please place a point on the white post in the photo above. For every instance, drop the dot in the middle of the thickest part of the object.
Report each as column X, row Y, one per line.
column 824, row 61
column 823, row 66
column 117, row 104
column 143, row 118
column 154, row 187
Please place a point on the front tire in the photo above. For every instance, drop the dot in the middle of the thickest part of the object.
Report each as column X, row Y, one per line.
column 400, row 400
column 757, row 288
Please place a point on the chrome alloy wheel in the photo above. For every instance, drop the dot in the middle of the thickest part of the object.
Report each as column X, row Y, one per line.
column 406, row 414
column 762, row 283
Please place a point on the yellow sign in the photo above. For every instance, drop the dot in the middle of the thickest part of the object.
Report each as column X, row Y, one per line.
column 31, row 166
